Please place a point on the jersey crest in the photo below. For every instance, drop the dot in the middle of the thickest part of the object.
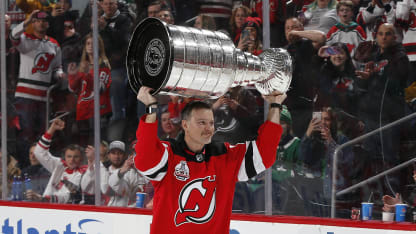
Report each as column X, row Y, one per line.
column 197, row 201
column 42, row 63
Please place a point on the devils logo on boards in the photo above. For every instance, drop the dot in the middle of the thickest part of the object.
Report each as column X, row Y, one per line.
column 196, row 201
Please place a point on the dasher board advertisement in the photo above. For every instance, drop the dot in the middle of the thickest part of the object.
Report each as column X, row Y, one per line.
column 38, row 218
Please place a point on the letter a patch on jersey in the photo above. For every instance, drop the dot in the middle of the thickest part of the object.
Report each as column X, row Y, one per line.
column 197, row 201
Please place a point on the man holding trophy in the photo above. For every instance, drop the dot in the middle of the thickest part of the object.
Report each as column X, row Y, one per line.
column 194, row 178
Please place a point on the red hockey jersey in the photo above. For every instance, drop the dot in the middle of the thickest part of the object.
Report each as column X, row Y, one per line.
column 83, row 85
column 194, row 192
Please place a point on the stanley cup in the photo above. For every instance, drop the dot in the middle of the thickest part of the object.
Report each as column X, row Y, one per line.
column 191, row 62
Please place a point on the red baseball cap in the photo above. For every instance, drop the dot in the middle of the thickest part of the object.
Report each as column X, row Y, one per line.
column 41, row 15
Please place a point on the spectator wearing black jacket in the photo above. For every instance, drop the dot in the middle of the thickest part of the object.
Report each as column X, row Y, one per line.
column 36, row 172
column 303, row 46
column 337, row 77
column 60, row 13
column 83, row 27
column 114, row 27
column 71, row 44
column 381, row 92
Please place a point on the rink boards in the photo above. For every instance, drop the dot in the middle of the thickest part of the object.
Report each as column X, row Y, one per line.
column 37, row 218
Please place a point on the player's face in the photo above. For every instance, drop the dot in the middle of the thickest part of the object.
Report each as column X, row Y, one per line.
column 199, row 128
column 73, row 158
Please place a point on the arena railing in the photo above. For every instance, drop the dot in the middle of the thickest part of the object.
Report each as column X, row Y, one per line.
column 339, row 149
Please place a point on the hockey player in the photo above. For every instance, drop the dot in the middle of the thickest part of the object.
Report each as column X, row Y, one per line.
column 194, row 179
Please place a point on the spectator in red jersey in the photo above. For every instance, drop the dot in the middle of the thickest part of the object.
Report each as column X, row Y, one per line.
column 81, row 82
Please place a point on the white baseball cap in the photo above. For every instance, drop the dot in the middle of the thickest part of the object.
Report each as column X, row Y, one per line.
column 117, row 145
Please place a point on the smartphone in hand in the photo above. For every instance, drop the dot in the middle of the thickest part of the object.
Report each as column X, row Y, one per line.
column 332, row 50
column 317, row 115
column 245, row 34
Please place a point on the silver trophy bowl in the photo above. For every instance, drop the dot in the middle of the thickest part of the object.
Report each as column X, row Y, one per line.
column 190, row 62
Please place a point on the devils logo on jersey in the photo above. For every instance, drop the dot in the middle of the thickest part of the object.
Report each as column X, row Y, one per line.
column 196, row 201
column 42, row 63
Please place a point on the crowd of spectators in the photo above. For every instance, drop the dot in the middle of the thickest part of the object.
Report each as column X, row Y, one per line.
column 353, row 65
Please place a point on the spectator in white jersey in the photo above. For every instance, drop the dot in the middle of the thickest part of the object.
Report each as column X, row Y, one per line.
column 66, row 174
column 119, row 181
column 40, row 62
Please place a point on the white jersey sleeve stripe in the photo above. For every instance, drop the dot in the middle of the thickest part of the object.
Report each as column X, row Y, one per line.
column 242, row 175
column 159, row 171
column 252, row 163
column 257, row 159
